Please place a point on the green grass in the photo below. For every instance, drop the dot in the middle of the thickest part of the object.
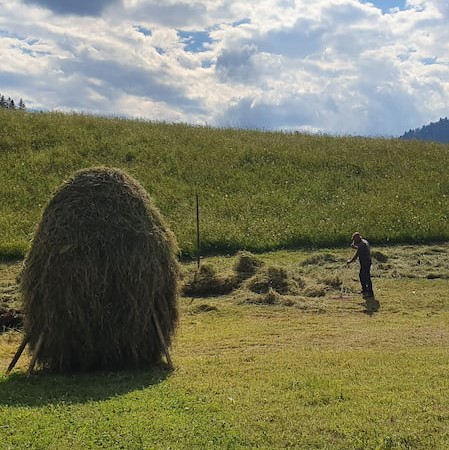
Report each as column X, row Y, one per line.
column 324, row 373
column 258, row 190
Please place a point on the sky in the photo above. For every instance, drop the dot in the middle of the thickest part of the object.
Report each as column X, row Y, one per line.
column 342, row 67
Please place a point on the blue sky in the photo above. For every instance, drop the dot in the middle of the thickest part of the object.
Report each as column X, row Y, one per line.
column 386, row 6
column 354, row 67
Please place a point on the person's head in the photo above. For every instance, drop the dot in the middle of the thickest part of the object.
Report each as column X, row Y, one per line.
column 356, row 237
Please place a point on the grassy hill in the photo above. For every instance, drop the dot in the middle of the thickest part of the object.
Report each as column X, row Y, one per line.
column 258, row 190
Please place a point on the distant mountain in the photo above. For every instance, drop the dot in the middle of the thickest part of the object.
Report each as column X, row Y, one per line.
column 435, row 131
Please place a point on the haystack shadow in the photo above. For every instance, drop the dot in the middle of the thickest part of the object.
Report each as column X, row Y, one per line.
column 38, row 390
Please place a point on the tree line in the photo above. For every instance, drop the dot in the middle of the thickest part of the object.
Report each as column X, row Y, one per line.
column 9, row 103
column 435, row 131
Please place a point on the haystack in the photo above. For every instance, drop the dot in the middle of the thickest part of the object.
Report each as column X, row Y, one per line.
column 102, row 264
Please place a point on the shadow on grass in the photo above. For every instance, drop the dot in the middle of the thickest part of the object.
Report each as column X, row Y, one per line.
column 372, row 305
column 42, row 389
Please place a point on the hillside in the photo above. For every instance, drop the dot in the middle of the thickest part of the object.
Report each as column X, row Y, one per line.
column 435, row 131
column 258, row 190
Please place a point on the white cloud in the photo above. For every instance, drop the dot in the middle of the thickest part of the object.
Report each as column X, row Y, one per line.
column 338, row 66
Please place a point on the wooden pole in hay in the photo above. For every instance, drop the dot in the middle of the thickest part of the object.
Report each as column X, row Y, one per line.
column 161, row 338
column 18, row 354
column 36, row 353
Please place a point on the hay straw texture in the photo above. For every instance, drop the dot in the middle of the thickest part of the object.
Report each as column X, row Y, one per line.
column 101, row 260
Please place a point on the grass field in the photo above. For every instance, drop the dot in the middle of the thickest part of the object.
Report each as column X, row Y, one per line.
column 258, row 191
column 316, row 367
column 287, row 356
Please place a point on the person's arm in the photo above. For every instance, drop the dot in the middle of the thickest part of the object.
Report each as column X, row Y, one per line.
column 349, row 261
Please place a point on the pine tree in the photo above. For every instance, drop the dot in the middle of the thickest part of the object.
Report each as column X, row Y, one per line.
column 9, row 103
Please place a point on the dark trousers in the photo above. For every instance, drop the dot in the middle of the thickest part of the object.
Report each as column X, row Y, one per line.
column 365, row 277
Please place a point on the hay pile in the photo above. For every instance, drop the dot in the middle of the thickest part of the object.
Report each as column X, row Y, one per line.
column 10, row 318
column 272, row 278
column 246, row 265
column 101, row 261
column 206, row 282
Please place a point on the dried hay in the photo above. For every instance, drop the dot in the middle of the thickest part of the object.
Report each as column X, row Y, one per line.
column 379, row 256
column 102, row 260
column 319, row 259
column 272, row 278
column 204, row 307
column 10, row 318
column 333, row 281
column 246, row 265
column 315, row 290
column 206, row 282
column 436, row 275
column 271, row 298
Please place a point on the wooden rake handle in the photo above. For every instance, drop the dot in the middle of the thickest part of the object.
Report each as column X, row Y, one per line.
column 161, row 338
column 17, row 355
column 36, row 353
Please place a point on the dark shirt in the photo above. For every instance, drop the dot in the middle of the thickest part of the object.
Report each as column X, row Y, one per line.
column 364, row 252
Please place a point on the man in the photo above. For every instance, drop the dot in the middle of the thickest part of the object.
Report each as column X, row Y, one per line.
column 364, row 255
